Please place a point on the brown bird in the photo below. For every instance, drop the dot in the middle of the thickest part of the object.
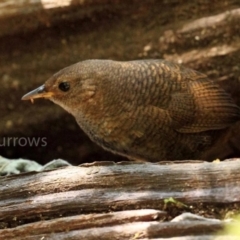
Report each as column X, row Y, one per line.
column 148, row 110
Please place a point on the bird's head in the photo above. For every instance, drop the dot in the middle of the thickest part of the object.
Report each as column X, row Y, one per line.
column 70, row 88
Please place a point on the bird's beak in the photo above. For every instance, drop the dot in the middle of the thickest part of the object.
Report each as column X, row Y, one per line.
column 39, row 92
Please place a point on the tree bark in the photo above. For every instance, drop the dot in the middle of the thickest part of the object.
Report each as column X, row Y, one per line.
column 64, row 195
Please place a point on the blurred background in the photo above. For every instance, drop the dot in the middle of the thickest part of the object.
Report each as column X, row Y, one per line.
column 39, row 37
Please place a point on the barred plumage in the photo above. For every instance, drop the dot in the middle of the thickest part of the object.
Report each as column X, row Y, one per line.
column 146, row 110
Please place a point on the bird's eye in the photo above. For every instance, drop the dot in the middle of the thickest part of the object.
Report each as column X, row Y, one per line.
column 64, row 86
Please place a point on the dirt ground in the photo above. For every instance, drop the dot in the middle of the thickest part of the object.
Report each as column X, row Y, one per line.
column 142, row 29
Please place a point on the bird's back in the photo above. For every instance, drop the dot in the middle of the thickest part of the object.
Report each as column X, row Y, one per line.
column 194, row 102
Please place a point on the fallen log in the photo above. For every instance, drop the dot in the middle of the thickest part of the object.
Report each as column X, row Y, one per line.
column 73, row 201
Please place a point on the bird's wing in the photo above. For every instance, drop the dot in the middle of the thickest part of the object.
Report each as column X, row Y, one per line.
column 204, row 106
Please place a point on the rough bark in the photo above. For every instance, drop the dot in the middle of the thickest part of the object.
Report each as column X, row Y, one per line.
column 97, row 195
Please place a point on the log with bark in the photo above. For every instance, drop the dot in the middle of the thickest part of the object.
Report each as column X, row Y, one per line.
column 127, row 200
